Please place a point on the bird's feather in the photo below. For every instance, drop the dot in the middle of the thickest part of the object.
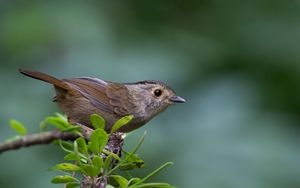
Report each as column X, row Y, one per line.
column 107, row 96
column 93, row 90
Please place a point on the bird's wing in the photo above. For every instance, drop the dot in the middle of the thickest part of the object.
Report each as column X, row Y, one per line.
column 107, row 96
column 94, row 90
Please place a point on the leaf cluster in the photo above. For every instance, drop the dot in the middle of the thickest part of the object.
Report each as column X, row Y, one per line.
column 93, row 159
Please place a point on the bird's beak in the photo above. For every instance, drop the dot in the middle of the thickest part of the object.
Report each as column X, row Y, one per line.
column 177, row 99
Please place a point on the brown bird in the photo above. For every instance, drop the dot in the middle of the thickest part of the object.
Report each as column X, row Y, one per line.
column 81, row 97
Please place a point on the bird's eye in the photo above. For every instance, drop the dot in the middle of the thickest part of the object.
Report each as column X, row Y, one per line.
column 157, row 92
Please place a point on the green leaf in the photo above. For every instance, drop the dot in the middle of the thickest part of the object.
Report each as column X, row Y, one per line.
column 99, row 139
column 82, row 147
column 133, row 180
column 122, row 182
column 58, row 123
column 89, row 170
column 71, row 157
column 62, row 117
column 115, row 156
column 73, row 128
column 97, row 162
column 153, row 185
column 107, row 162
column 132, row 161
column 18, row 127
column 64, row 179
column 64, row 145
column 154, row 173
column 131, row 165
column 94, row 169
column 97, row 121
column 66, row 167
column 139, row 143
column 80, row 157
column 72, row 185
column 121, row 122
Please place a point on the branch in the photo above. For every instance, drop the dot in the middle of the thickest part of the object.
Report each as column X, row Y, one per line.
column 35, row 139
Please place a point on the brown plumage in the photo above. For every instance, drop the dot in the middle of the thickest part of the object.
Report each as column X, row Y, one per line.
column 81, row 97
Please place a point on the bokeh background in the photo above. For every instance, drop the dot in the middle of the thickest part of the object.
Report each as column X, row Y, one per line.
column 237, row 63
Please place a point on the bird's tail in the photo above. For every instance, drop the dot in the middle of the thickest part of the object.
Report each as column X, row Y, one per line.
column 44, row 77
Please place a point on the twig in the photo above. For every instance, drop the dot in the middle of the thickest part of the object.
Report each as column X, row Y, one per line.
column 35, row 139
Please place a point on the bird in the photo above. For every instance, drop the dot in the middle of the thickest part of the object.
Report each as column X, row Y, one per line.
column 81, row 97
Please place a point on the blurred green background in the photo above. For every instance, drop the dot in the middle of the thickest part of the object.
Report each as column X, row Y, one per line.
column 237, row 63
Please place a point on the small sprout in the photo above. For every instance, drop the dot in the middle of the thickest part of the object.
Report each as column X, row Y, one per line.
column 97, row 121
column 66, row 167
column 122, row 182
column 99, row 139
column 70, row 157
column 18, row 127
column 154, row 173
column 82, row 146
column 72, row 185
column 121, row 122
column 64, row 179
column 132, row 161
